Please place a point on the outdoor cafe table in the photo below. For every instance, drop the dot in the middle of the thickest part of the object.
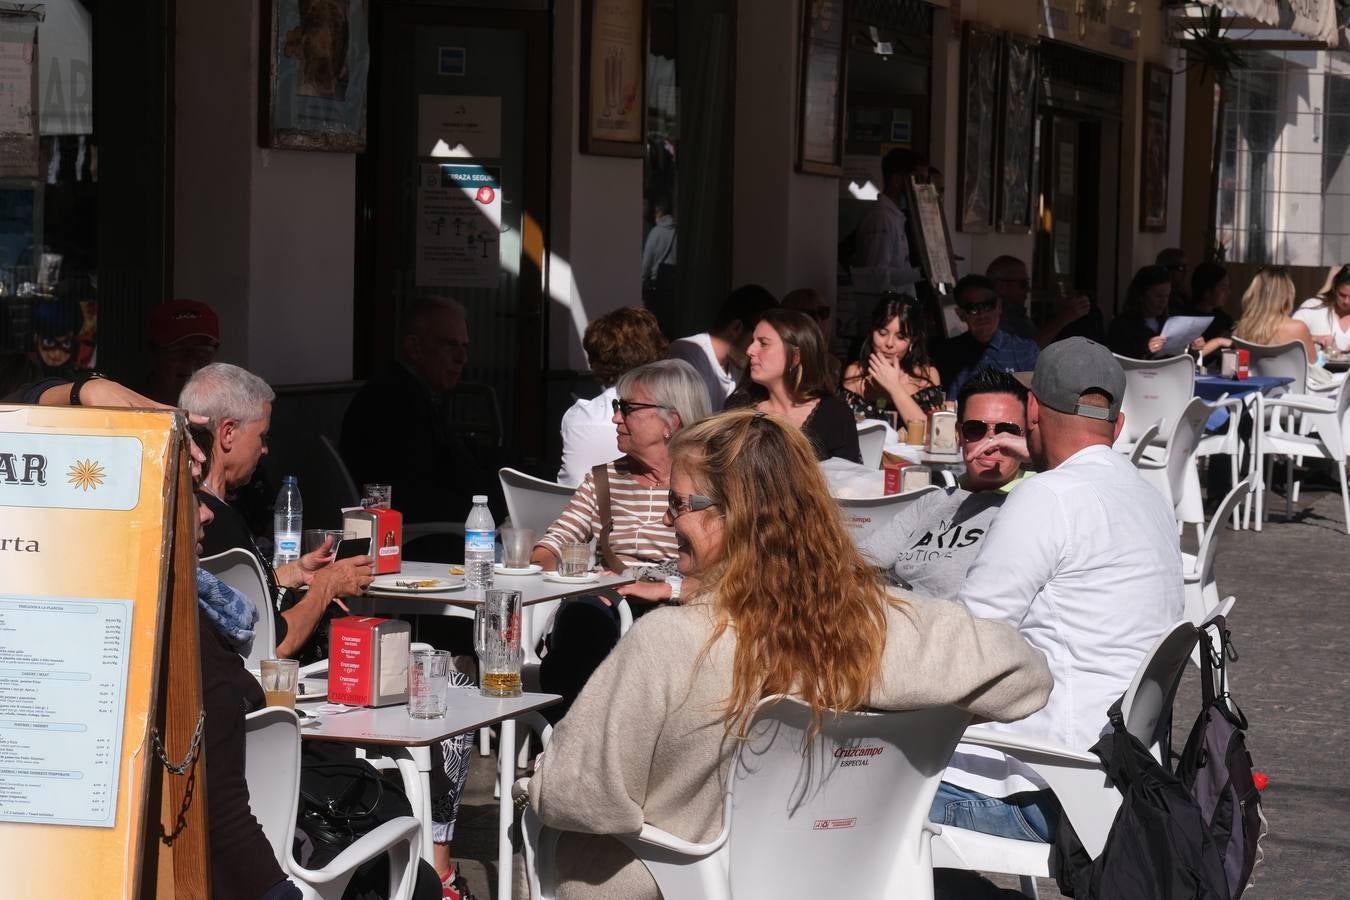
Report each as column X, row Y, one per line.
column 391, row 732
column 1212, row 388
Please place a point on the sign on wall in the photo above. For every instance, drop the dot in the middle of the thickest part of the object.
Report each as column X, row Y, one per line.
column 459, row 216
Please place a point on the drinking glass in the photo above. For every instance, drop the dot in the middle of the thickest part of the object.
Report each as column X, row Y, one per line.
column 377, row 496
column 279, row 678
column 914, row 431
column 517, row 544
column 313, row 539
column 575, row 559
column 496, row 638
column 428, row 678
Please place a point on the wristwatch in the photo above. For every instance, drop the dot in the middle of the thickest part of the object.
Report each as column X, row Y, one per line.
column 82, row 377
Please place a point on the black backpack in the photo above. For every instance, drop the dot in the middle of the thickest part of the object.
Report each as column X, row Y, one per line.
column 1217, row 769
column 1159, row 847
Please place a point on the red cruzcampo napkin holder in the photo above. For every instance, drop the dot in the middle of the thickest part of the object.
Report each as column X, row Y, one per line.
column 384, row 527
column 368, row 661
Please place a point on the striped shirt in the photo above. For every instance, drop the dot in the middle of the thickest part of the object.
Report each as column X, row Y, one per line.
column 640, row 535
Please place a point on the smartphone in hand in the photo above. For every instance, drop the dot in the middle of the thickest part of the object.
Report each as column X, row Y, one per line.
column 349, row 547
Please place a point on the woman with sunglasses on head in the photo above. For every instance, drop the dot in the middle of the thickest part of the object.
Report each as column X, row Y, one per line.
column 1328, row 314
column 1267, row 307
column 787, row 377
column 893, row 371
column 621, row 506
column 786, row 605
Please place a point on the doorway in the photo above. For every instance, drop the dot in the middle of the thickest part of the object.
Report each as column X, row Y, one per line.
column 452, row 203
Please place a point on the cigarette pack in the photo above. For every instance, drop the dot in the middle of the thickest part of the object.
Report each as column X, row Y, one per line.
column 384, row 527
column 368, row 661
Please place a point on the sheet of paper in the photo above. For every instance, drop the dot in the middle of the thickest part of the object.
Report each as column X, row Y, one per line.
column 1179, row 331
column 459, row 215
column 63, row 669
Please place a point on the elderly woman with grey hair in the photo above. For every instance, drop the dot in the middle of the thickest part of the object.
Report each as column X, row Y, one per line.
column 622, row 506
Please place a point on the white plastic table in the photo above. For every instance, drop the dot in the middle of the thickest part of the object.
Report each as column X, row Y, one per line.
column 391, row 732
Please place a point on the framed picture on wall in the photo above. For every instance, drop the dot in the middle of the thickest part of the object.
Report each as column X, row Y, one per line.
column 979, row 108
column 315, row 62
column 820, row 103
column 1017, row 135
column 613, row 77
column 1153, row 155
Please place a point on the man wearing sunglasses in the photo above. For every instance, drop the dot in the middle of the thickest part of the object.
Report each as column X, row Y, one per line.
column 1084, row 561
column 984, row 345
column 930, row 545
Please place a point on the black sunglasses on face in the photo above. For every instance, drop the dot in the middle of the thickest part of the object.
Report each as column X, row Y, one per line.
column 626, row 408
column 679, row 505
column 975, row 309
column 975, row 430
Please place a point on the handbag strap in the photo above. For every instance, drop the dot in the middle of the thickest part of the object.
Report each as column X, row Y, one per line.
column 600, row 474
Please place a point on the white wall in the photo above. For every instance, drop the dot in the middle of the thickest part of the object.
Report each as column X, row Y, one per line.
column 266, row 237
column 595, row 261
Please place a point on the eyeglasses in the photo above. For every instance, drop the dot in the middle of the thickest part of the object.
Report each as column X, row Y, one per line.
column 626, row 408
column 975, row 309
column 692, row 503
column 974, row 429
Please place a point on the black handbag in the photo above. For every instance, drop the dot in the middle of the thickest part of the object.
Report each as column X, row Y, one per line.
column 341, row 799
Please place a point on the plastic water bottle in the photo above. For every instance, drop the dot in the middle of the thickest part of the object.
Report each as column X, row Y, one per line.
column 480, row 546
column 287, row 523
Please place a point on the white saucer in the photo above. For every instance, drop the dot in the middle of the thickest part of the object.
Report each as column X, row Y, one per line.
column 532, row 569
column 588, row 578
column 311, row 689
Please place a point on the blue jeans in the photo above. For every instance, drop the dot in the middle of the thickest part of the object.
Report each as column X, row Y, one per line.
column 1028, row 816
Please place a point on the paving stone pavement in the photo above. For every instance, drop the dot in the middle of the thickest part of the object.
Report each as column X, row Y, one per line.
column 1292, row 679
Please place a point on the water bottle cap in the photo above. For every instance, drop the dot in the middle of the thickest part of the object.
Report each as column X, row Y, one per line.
column 479, row 498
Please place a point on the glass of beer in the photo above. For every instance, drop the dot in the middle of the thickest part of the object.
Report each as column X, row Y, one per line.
column 496, row 638
column 428, row 678
column 279, row 678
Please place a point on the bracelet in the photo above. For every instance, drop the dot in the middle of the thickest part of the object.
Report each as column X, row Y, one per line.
column 82, row 377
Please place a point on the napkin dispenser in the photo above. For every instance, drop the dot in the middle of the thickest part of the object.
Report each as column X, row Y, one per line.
column 368, row 661
column 384, row 527
column 942, row 432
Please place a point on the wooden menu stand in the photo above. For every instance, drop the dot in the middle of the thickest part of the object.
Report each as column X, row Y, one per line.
column 177, row 867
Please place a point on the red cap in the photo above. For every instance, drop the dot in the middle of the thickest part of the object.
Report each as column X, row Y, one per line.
column 178, row 320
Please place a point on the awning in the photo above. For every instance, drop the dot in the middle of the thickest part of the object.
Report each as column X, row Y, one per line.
column 1313, row 18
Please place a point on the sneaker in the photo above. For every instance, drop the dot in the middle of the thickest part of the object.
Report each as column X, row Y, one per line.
column 456, row 888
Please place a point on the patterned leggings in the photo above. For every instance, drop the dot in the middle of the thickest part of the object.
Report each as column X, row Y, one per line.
column 455, row 755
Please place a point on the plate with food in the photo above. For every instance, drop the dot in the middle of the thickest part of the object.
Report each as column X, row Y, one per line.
column 503, row 569
column 411, row 584
column 311, row 689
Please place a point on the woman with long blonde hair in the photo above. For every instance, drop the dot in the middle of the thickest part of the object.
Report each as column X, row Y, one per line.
column 786, row 605
column 1266, row 312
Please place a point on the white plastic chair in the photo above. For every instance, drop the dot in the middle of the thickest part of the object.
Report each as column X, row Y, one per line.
column 1175, row 474
column 272, row 768
column 1288, row 360
column 1140, row 449
column 1202, row 594
column 1228, row 443
column 1156, row 390
column 1076, row 776
column 240, row 569
column 533, row 502
column 791, row 801
column 872, row 442
column 1323, row 418
column 864, row 516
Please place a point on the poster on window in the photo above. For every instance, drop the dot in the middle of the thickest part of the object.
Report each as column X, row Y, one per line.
column 613, row 88
column 314, row 84
column 820, row 108
column 459, row 215
column 1153, row 153
column 979, row 102
column 18, row 100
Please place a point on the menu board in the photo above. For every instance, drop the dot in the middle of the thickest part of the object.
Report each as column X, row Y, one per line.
column 84, row 498
column 935, row 253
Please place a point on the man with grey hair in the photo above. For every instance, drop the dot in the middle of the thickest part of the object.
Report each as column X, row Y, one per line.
column 398, row 429
column 1084, row 561
column 238, row 407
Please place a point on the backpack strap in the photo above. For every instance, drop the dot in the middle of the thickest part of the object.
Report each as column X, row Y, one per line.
column 600, row 475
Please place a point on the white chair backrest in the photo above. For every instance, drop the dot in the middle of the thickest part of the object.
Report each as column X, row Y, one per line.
column 1156, row 390
column 533, row 502
column 856, row 801
column 872, row 442
column 1278, row 361
column 1148, row 701
column 1187, row 430
column 862, row 517
column 240, row 569
column 272, row 769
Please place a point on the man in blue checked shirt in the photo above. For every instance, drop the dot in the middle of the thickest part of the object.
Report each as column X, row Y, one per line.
column 984, row 345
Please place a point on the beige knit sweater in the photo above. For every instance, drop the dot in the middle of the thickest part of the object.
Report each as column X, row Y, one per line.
column 645, row 740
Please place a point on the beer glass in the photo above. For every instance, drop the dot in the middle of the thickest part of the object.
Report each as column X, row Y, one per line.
column 496, row 638
column 428, row 678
